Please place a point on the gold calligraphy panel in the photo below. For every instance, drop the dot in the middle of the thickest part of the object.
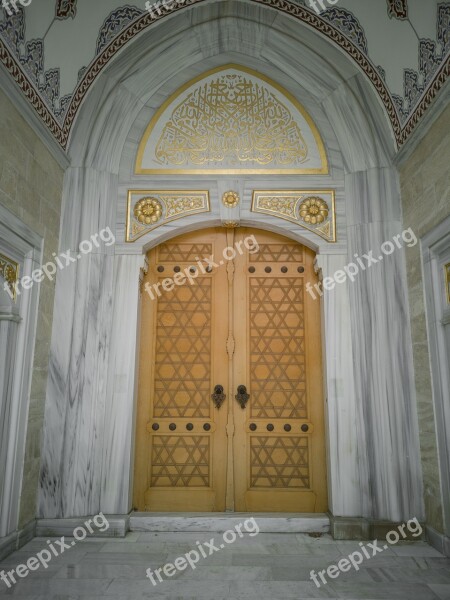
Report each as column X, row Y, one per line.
column 231, row 120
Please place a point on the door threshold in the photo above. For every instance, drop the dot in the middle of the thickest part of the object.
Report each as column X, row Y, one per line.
column 222, row 521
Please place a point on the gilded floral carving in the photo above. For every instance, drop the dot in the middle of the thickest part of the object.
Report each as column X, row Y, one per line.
column 9, row 270
column 313, row 210
column 148, row 211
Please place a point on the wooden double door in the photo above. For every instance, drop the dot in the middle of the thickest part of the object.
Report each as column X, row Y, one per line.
column 230, row 410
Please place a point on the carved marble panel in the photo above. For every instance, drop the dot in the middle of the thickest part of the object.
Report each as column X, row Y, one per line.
column 311, row 209
column 148, row 209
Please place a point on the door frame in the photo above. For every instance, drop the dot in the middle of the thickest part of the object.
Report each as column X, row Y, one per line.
column 436, row 253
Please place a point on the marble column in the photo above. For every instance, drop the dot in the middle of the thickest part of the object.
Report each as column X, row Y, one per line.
column 76, row 406
column 118, row 450
column 382, row 348
column 346, row 452
column 9, row 322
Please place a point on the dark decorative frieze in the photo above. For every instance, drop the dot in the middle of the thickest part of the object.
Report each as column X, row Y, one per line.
column 432, row 56
column 12, row 29
column 413, row 89
column 398, row 9
column 24, row 60
column 346, row 22
column 64, row 103
column 30, row 56
column 50, row 88
column 81, row 73
column 429, row 61
column 443, row 27
column 65, row 9
column 33, row 60
column 382, row 73
column 400, row 105
column 116, row 21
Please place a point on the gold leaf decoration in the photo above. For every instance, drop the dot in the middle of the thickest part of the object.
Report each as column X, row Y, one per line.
column 148, row 209
column 9, row 270
column 230, row 224
column 313, row 210
column 230, row 199
column 232, row 120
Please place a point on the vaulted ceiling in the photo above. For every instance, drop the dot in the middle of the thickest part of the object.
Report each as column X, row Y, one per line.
column 55, row 49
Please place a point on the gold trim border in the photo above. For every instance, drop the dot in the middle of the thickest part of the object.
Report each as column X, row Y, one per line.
column 300, row 194
column 324, row 170
column 12, row 263
column 160, row 194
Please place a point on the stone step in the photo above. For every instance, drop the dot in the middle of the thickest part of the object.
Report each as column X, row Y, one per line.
column 267, row 522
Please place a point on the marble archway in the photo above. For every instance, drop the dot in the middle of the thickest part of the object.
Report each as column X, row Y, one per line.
column 91, row 391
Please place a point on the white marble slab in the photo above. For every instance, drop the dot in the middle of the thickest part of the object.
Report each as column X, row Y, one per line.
column 267, row 522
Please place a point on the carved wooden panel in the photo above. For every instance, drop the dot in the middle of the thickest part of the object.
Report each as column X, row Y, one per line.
column 279, row 462
column 277, row 348
column 183, row 252
column 181, row 434
column 183, row 350
column 180, row 461
column 280, row 465
column 278, row 252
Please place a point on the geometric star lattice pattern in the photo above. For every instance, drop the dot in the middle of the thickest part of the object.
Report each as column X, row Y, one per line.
column 279, row 462
column 278, row 253
column 277, row 348
column 183, row 352
column 179, row 461
column 183, row 252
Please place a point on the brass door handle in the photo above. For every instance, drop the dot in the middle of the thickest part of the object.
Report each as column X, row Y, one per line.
column 242, row 397
column 218, row 396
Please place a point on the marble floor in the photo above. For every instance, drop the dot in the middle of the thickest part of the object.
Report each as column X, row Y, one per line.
column 265, row 566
